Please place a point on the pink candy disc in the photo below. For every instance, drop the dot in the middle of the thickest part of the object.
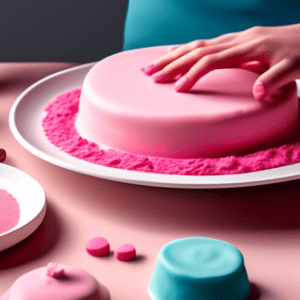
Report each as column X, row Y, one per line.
column 97, row 246
column 125, row 252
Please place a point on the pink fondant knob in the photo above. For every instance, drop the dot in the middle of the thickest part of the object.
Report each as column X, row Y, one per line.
column 125, row 252
column 97, row 246
column 55, row 270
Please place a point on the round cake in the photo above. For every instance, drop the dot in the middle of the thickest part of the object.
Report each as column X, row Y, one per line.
column 199, row 268
column 122, row 108
column 55, row 282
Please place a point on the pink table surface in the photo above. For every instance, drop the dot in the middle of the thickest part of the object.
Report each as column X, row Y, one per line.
column 263, row 222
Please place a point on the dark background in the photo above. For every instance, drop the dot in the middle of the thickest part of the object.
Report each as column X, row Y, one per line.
column 61, row 30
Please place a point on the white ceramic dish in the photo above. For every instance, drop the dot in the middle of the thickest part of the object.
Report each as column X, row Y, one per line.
column 26, row 125
column 32, row 202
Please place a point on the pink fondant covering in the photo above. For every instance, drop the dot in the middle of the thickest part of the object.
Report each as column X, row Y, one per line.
column 9, row 211
column 60, row 130
column 38, row 285
column 122, row 108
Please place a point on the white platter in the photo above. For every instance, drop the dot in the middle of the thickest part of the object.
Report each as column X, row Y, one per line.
column 32, row 202
column 26, row 125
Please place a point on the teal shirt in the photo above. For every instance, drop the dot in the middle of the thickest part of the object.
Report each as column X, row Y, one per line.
column 167, row 22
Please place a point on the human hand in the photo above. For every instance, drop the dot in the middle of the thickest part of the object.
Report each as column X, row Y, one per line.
column 274, row 52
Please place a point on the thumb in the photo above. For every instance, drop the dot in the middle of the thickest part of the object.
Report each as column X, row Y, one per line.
column 270, row 82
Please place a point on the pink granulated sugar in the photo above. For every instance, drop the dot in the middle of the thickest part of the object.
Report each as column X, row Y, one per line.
column 59, row 128
column 9, row 211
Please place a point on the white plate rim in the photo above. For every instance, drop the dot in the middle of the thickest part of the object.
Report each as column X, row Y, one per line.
column 67, row 78
column 10, row 180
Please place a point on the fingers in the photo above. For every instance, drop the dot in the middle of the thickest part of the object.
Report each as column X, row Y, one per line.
column 225, row 38
column 218, row 40
column 223, row 59
column 183, row 64
column 271, row 81
column 162, row 61
column 253, row 49
column 179, row 66
column 175, row 52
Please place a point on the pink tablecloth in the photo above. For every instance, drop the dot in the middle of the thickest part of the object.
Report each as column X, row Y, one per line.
column 262, row 222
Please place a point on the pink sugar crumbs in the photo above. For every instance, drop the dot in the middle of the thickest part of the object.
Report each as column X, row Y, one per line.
column 59, row 128
column 9, row 211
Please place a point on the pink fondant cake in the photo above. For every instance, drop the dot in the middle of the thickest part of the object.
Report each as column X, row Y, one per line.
column 55, row 282
column 122, row 108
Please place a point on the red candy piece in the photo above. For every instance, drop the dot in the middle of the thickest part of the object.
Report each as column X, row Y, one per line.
column 125, row 252
column 97, row 246
column 2, row 155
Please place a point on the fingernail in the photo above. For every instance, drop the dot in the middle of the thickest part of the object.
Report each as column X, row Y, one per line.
column 259, row 90
column 251, row 63
column 177, row 77
column 255, row 66
column 149, row 70
column 181, row 84
column 171, row 48
column 157, row 77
